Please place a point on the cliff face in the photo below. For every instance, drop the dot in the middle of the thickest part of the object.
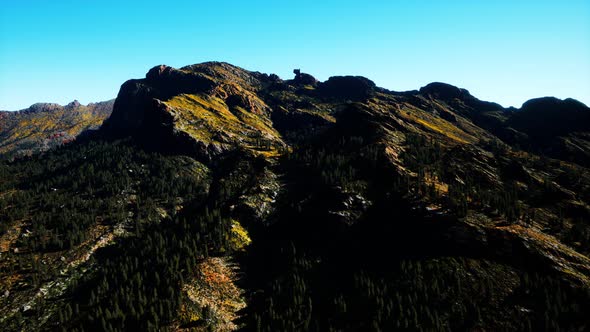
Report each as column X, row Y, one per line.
column 43, row 125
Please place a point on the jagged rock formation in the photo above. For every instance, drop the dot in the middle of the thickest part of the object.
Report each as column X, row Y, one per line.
column 44, row 125
column 202, row 108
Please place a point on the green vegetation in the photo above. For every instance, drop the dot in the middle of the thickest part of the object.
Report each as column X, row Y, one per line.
column 135, row 282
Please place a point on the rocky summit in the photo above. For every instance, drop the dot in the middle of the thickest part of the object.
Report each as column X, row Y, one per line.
column 214, row 198
column 43, row 126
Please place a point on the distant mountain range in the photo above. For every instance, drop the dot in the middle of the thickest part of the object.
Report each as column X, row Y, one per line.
column 214, row 198
column 44, row 125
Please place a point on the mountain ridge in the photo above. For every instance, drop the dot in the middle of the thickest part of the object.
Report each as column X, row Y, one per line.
column 500, row 121
column 43, row 126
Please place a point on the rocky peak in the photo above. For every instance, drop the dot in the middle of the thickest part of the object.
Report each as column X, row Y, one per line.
column 557, row 105
column 303, row 78
column 208, row 107
column 222, row 72
column 43, row 126
column 444, row 91
column 349, row 87
column 159, row 72
column 42, row 107
column 549, row 116
column 73, row 105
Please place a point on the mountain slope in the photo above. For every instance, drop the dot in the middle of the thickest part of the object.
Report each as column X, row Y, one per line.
column 217, row 198
column 43, row 125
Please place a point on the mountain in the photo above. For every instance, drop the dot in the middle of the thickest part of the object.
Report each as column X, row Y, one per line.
column 44, row 125
column 216, row 198
column 546, row 126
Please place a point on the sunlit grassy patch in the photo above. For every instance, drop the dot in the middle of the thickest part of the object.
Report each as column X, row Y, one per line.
column 240, row 238
column 209, row 119
column 438, row 125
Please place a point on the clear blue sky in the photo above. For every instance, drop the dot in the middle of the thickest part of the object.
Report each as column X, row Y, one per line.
column 504, row 51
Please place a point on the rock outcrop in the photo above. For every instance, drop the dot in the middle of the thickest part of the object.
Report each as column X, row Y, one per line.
column 201, row 110
column 350, row 87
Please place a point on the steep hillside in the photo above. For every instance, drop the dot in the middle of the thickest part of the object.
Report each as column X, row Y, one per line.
column 43, row 126
column 215, row 198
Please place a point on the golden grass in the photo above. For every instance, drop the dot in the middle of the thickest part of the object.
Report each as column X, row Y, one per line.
column 437, row 125
column 213, row 287
column 209, row 119
column 440, row 187
column 40, row 126
column 239, row 237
